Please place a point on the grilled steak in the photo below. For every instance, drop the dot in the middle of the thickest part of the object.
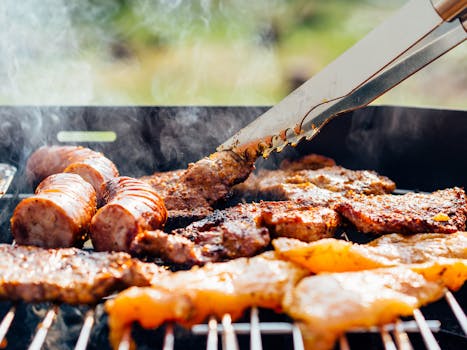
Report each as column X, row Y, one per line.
column 190, row 194
column 58, row 215
column 310, row 161
column 225, row 234
column 189, row 297
column 68, row 275
column 90, row 165
column 132, row 206
column 329, row 304
column 333, row 255
column 442, row 211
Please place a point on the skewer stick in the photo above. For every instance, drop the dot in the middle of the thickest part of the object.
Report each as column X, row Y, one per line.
column 169, row 339
column 43, row 328
column 457, row 310
column 229, row 340
column 343, row 343
column 428, row 337
column 212, row 334
column 6, row 323
column 255, row 333
column 85, row 333
column 297, row 338
column 126, row 340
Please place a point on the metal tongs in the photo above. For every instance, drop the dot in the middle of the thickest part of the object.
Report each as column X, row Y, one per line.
column 416, row 35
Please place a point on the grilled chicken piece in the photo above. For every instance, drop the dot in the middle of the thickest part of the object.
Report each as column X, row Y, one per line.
column 57, row 215
column 299, row 220
column 333, row 255
column 328, row 305
column 189, row 297
column 225, row 234
column 68, row 275
column 92, row 166
column 190, row 194
column 281, row 184
column 442, row 211
column 132, row 207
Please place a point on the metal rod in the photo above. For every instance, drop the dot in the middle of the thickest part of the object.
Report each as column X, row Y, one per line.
column 43, row 328
column 255, row 334
column 6, row 323
column 343, row 343
column 387, row 340
column 85, row 333
column 457, row 310
column 212, row 334
column 169, row 339
column 402, row 339
column 125, row 342
column 229, row 339
column 428, row 337
column 297, row 338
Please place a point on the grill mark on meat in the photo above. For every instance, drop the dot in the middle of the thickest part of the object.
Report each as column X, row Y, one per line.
column 442, row 211
column 132, row 207
column 57, row 215
column 68, row 275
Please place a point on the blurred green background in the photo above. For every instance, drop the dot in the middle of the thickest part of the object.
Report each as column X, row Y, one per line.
column 203, row 52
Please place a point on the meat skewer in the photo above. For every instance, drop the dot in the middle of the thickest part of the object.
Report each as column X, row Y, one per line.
column 132, row 207
column 92, row 166
column 57, row 215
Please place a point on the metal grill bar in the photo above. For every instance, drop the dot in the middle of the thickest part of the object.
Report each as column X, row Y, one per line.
column 43, row 328
column 6, row 323
column 344, row 343
column 297, row 338
column 229, row 339
column 85, row 333
column 212, row 334
column 255, row 336
column 169, row 339
column 387, row 340
column 402, row 339
column 428, row 337
column 457, row 310
column 125, row 343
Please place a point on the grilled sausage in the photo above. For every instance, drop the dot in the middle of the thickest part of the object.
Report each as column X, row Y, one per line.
column 90, row 165
column 58, row 215
column 132, row 206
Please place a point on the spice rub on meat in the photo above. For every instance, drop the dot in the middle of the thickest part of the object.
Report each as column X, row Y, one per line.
column 239, row 231
column 442, row 211
column 190, row 194
column 68, row 275
column 189, row 297
column 334, row 255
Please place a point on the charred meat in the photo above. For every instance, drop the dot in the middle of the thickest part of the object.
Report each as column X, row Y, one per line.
column 442, row 211
column 57, row 215
column 132, row 207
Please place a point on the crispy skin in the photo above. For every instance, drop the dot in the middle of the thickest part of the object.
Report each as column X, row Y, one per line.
column 330, row 304
column 189, row 297
column 442, row 211
column 333, row 255
column 287, row 184
column 299, row 220
column 190, row 194
column 92, row 166
column 57, row 215
column 68, row 275
column 132, row 207
column 225, row 234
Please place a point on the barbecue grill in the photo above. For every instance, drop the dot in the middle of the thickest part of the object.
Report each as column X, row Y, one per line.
column 420, row 149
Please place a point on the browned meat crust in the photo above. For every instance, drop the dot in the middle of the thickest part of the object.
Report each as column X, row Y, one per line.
column 58, row 215
column 92, row 166
column 191, row 193
column 442, row 211
column 310, row 161
column 223, row 235
column 68, row 275
column 299, row 220
column 132, row 207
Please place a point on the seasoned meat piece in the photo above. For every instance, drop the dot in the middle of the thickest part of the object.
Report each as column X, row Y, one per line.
column 132, row 207
column 58, row 215
column 311, row 162
column 297, row 220
column 190, row 194
column 333, row 255
column 328, row 305
column 189, row 297
column 287, row 184
column 90, row 165
column 225, row 234
column 442, row 211
column 68, row 275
